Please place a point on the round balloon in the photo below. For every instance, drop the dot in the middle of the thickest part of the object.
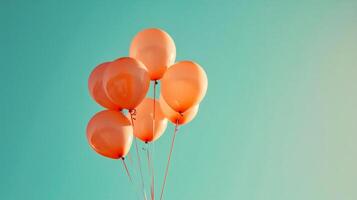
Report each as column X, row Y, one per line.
column 96, row 88
column 184, row 85
column 146, row 128
column 156, row 49
column 126, row 82
column 110, row 134
column 176, row 117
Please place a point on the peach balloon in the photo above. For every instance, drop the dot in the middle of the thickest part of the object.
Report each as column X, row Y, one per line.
column 96, row 88
column 126, row 82
column 184, row 85
column 156, row 49
column 176, row 117
column 144, row 121
column 110, row 134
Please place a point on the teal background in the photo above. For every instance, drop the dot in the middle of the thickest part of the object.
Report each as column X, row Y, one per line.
column 279, row 120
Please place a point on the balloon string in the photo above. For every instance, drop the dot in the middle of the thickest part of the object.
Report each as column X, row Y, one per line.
column 153, row 177
column 149, row 165
column 130, row 158
column 139, row 161
column 129, row 155
column 127, row 171
column 148, row 156
column 169, row 159
column 152, row 152
column 132, row 116
column 155, row 83
column 130, row 178
column 139, row 165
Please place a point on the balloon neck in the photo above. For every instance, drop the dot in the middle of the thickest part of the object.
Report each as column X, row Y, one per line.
column 156, row 82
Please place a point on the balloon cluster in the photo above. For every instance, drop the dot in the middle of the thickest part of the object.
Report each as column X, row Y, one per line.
column 121, row 87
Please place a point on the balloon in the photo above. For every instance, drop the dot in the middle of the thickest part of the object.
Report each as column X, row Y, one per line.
column 143, row 128
column 176, row 117
column 126, row 82
column 156, row 49
column 96, row 88
column 184, row 85
column 110, row 134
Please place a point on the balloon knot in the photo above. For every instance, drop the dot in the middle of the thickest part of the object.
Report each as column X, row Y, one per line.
column 133, row 113
column 156, row 82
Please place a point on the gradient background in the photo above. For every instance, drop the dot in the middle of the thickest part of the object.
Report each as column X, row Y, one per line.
column 279, row 120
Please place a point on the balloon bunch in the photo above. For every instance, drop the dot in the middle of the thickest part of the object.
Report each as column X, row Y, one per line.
column 121, row 87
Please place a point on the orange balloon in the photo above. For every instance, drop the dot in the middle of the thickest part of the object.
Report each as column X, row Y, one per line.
column 143, row 127
column 176, row 117
column 126, row 82
column 96, row 88
column 110, row 134
column 184, row 85
column 156, row 49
